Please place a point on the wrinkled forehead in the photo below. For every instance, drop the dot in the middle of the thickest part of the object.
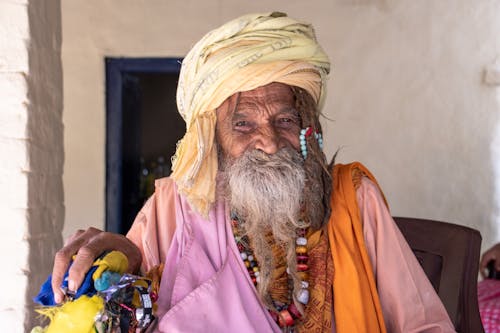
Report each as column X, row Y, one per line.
column 272, row 90
column 271, row 94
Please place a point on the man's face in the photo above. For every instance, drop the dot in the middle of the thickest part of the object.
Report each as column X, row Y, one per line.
column 264, row 119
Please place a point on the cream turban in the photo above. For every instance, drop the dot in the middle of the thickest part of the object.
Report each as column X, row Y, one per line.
column 243, row 54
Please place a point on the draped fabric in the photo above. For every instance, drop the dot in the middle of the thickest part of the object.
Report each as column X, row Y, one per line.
column 203, row 266
column 244, row 54
column 356, row 300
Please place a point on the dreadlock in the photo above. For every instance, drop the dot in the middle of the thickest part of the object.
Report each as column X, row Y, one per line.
column 318, row 174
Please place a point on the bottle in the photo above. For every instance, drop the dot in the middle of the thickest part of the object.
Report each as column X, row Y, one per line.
column 143, row 180
column 160, row 169
column 150, row 180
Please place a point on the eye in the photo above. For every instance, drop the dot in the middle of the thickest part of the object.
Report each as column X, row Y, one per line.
column 286, row 121
column 242, row 126
column 241, row 123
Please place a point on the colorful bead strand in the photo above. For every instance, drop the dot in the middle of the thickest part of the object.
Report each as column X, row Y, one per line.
column 304, row 133
column 287, row 314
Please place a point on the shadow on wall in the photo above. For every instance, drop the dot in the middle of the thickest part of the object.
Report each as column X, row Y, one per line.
column 45, row 152
column 495, row 156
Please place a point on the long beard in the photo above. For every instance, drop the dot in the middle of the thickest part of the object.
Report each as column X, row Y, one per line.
column 266, row 192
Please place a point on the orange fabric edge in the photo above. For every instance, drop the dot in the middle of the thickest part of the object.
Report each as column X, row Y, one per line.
column 356, row 302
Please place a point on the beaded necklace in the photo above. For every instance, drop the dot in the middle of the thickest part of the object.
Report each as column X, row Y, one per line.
column 287, row 314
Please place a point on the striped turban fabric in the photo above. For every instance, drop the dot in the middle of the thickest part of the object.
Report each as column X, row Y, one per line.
column 243, row 54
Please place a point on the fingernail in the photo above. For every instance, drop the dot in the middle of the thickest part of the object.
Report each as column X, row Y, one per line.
column 57, row 298
column 71, row 285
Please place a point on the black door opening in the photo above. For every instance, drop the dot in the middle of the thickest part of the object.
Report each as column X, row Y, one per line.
column 142, row 129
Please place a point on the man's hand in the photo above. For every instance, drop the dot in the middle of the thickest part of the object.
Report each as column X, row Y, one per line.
column 87, row 246
column 492, row 254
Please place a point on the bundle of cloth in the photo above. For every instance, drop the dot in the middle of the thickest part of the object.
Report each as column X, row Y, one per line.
column 108, row 299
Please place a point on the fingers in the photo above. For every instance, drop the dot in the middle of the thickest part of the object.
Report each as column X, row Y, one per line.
column 93, row 248
column 496, row 253
column 82, row 263
column 71, row 238
column 87, row 246
column 485, row 259
column 61, row 263
column 492, row 254
column 109, row 241
column 63, row 258
column 482, row 269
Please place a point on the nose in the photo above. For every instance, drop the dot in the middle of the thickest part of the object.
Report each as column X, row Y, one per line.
column 268, row 141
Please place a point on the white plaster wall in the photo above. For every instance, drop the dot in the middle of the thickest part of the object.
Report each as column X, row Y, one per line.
column 409, row 99
column 407, row 95
column 31, row 135
column 13, row 181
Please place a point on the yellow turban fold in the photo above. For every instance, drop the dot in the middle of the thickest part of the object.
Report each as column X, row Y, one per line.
column 243, row 54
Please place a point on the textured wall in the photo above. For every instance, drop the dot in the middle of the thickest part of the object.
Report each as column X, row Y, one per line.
column 407, row 94
column 409, row 99
column 31, row 143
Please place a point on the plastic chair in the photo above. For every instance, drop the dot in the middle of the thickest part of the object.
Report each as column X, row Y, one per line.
column 449, row 254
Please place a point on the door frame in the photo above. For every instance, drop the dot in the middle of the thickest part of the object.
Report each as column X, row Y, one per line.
column 116, row 68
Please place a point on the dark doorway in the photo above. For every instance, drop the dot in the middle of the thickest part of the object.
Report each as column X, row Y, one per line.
column 142, row 129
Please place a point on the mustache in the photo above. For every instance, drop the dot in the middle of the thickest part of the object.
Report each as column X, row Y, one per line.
column 267, row 174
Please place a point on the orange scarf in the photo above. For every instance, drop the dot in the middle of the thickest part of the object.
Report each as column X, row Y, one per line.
column 356, row 301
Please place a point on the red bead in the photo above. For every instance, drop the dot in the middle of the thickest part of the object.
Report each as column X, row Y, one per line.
column 309, row 131
column 294, row 311
column 274, row 315
column 254, row 279
column 302, row 259
column 154, row 296
column 241, row 247
column 285, row 319
column 302, row 267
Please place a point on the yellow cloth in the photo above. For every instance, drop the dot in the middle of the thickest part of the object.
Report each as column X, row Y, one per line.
column 243, row 54
column 114, row 261
column 77, row 316
column 356, row 302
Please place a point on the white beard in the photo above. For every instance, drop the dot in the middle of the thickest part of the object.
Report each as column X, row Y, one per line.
column 266, row 192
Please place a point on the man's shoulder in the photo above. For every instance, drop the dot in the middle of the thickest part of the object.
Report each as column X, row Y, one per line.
column 351, row 172
column 355, row 165
column 164, row 182
column 356, row 176
column 165, row 188
column 164, row 196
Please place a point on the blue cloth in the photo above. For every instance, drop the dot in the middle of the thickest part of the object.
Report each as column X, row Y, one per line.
column 106, row 280
column 46, row 294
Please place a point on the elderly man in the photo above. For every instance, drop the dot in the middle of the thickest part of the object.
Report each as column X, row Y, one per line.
column 257, row 232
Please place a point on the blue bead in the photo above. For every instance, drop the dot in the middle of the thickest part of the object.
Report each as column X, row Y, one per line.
column 303, row 296
column 301, row 241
